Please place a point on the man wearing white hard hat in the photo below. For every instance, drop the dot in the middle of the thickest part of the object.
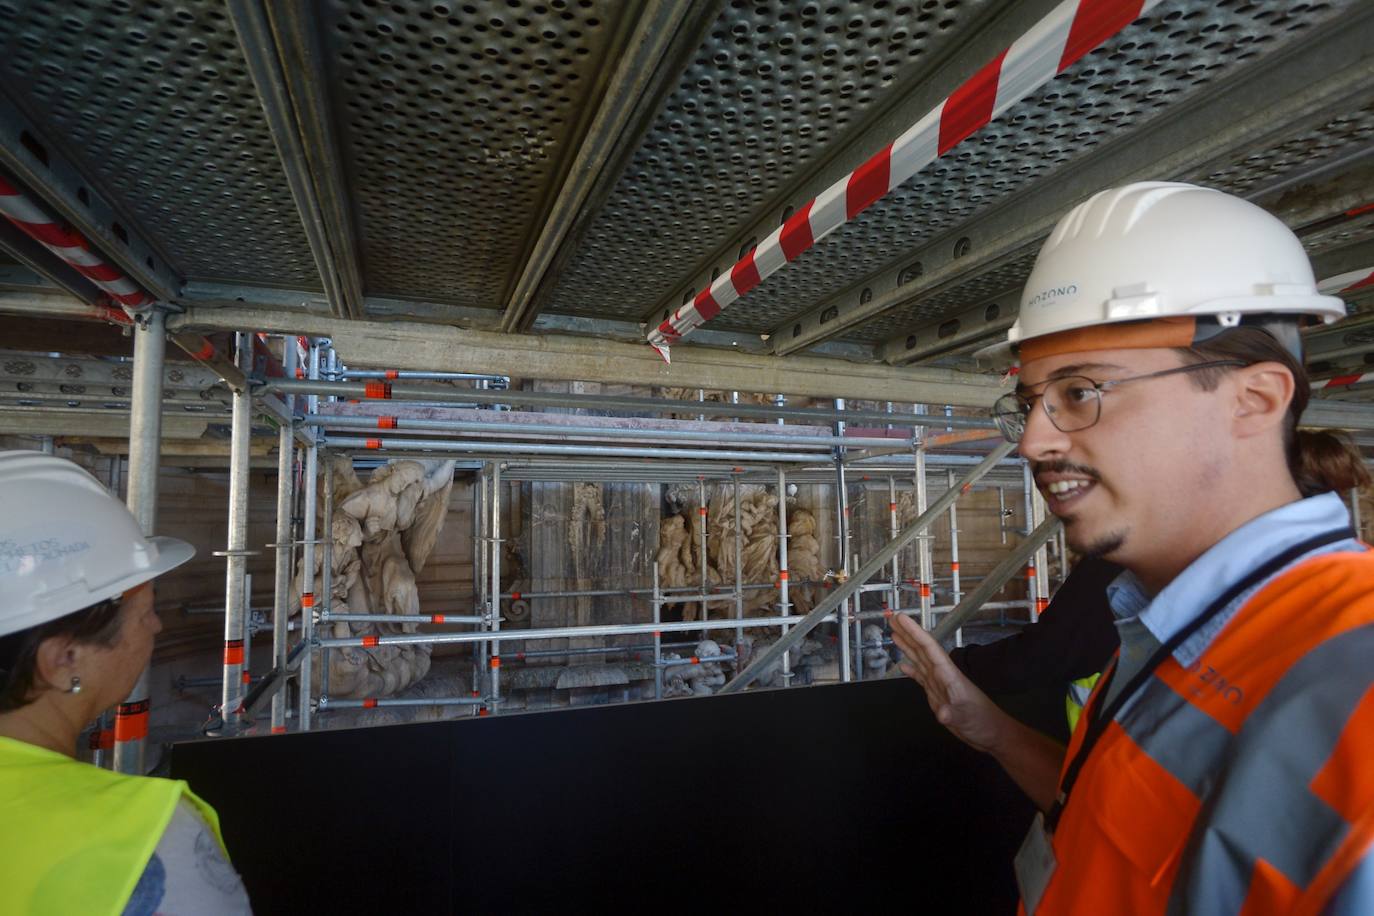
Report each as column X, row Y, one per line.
column 1224, row 762
column 76, row 631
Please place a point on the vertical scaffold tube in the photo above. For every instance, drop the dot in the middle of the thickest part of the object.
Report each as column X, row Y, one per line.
column 658, row 638
column 923, row 552
column 495, row 586
column 894, row 594
column 956, row 593
column 1035, row 595
column 739, row 581
column 784, row 605
column 311, row 484
column 285, row 550
column 236, row 564
column 145, row 445
column 702, row 518
column 480, row 600
column 326, row 566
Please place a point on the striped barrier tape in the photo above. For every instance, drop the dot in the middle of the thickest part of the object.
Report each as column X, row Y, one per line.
column 1070, row 31
column 1347, row 282
column 70, row 246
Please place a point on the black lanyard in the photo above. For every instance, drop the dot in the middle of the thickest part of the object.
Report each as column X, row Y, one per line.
column 1098, row 717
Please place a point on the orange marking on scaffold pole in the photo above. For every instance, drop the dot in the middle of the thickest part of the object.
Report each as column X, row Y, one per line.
column 1041, row 604
column 370, row 640
column 437, row 618
column 308, row 599
column 393, row 373
column 965, row 488
column 278, row 729
column 954, row 567
column 131, row 721
column 925, row 589
column 695, row 660
column 247, row 678
column 515, row 596
column 892, row 507
column 233, row 652
column 374, row 443
column 206, row 350
column 701, row 510
column 370, row 703
column 482, row 711
column 377, row 390
column 386, row 422
column 496, row 661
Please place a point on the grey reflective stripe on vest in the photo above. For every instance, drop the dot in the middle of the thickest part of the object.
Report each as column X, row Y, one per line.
column 1175, row 734
column 1261, row 806
column 1079, row 693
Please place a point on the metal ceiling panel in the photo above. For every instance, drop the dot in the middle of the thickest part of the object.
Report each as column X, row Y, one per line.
column 1178, row 51
column 1252, row 172
column 455, row 120
column 775, row 83
column 154, row 103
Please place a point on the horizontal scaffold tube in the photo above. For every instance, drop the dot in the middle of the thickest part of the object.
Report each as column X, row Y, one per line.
column 793, row 439
column 624, row 629
column 374, row 702
column 330, row 616
column 385, row 391
column 541, row 448
column 415, row 375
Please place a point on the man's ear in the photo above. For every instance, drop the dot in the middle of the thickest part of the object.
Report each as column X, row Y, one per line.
column 1262, row 395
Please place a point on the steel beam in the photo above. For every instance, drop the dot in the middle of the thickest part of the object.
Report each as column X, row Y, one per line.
column 666, row 34
column 1297, row 86
column 401, row 345
column 280, row 45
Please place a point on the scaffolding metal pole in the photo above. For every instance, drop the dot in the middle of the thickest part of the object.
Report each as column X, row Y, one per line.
column 894, row 597
column 739, row 554
column 311, row 484
column 658, row 639
column 479, row 538
column 235, row 553
column 842, row 535
column 1035, row 597
column 1003, row 573
column 495, row 704
column 875, row 563
column 956, row 592
column 701, row 517
column 784, row 604
column 326, row 565
column 145, row 444
column 923, row 553
column 1355, row 512
column 285, row 550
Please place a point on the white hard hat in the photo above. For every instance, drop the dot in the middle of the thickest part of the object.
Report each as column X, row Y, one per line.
column 66, row 543
column 1158, row 249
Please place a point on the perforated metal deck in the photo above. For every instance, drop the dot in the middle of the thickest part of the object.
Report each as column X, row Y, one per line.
column 585, row 165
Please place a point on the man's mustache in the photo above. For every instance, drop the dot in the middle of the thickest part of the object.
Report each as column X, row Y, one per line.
column 1064, row 467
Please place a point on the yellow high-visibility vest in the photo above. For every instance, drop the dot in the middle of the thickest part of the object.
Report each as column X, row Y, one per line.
column 75, row 838
column 1077, row 698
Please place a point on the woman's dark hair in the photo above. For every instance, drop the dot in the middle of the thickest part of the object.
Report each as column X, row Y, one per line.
column 98, row 624
column 1318, row 461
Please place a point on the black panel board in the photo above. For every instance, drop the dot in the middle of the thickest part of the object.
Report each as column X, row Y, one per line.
column 847, row 798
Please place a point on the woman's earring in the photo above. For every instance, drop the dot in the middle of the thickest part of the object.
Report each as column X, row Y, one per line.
column 76, row 685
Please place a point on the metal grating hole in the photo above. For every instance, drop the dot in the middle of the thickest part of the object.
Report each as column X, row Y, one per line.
column 456, row 117
column 1177, row 51
column 1303, row 151
column 155, row 102
column 884, row 327
column 775, row 83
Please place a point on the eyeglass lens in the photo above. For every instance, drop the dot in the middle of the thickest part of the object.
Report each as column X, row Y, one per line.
column 1072, row 403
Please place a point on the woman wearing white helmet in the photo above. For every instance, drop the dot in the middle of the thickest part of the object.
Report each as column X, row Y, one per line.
column 76, row 630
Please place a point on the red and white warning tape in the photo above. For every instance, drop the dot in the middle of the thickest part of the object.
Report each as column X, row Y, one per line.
column 70, row 246
column 1071, row 30
column 1343, row 381
column 1347, row 282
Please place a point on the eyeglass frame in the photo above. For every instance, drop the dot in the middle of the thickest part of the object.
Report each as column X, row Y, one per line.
column 1099, row 387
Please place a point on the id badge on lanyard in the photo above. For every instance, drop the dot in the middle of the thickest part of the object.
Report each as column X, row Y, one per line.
column 1035, row 864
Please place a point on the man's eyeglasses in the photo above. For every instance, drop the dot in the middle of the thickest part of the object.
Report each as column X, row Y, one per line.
column 1073, row 402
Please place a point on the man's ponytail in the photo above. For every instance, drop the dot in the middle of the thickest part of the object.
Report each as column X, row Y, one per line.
column 1328, row 461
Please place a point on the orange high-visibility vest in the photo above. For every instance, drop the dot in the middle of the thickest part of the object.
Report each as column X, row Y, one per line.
column 1245, row 782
